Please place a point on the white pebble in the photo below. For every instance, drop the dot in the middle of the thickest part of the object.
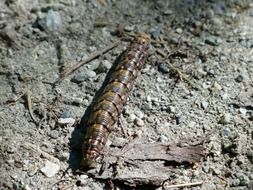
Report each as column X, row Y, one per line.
column 139, row 122
column 50, row 169
column 66, row 121
column 139, row 114
column 243, row 111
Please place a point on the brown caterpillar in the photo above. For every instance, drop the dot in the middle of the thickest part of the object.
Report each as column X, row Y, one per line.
column 109, row 104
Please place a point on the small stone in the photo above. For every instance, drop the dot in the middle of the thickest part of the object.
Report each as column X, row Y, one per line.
column 213, row 40
column 226, row 131
column 225, row 119
column 217, row 86
column 139, row 122
column 178, row 119
column 83, row 176
column 65, row 114
column 163, row 68
column 129, row 28
column 205, row 167
column 168, row 12
column 27, row 187
column 54, row 134
column 107, row 64
column 239, row 78
column 139, row 114
column 89, row 74
column 51, row 21
column 148, row 99
column 244, row 180
column 179, row 30
column 163, row 138
column 172, row 109
column 156, row 33
column 243, row 111
column 204, row 104
column 66, row 121
column 131, row 118
column 50, row 169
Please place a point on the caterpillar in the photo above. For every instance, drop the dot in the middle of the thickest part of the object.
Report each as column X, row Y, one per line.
column 110, row 102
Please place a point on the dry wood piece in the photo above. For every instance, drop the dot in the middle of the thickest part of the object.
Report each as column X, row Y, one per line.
column 142, row 163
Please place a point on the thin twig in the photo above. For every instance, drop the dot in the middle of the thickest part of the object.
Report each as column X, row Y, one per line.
column 13, row 101
column 184, row 185
column 29, row 105
column 70, row 70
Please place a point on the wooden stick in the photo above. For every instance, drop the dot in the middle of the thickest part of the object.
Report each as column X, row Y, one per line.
column 184, row 185
column 70, row 70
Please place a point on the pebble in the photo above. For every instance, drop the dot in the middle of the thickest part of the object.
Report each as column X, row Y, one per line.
column 65, row 114
column 171, row 109
column 226, row 131
column 225, row 119
column 168, row 12
column 213, row 40
column 244, row 180
column 204, row 104
column 163, row 138
column 50, row 169
column 243, row 111
column 205, row 167
column 131, row 118
column 163, row 68
column 239, row 78
column 156, row 33
column 139, row 122
column 51, row 22
column 66, row 121
column 129, row 28
column 179, row 30
column 139, row 114
column 53, row 134
column 89, row 74
column 178, row 119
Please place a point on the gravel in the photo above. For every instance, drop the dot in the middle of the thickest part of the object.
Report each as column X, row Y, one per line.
column 208, row 96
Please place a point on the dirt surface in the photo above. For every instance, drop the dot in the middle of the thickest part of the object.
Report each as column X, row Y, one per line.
column 196, row 85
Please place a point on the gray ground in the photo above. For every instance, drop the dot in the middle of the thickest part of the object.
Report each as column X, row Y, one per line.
column 204, row 89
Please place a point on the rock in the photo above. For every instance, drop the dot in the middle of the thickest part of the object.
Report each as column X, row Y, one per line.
column 244, row 180
column 204, row 104
column 168, row 12
column 89, row 74
column 50, row 169
column 53, row 134
column 239, row 78
column 213, row 40
column 171, row 109
column 129, row 28
column 163, row 68
column 66, row 121
column 51, row 21
column 225, row 119
column 243, row 111
column 65, row 114
column 226, row 131
column 139, row 122
column 139, row 114
column 131, row 118
column 156, row 33
column 163, row 138
column 179, row 30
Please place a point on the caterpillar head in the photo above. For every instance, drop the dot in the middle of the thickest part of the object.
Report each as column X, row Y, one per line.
column 142, row 38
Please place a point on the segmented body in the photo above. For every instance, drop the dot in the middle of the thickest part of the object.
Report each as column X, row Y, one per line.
column 109, row 104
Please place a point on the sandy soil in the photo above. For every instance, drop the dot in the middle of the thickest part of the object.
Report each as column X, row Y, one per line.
column 204, row 90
